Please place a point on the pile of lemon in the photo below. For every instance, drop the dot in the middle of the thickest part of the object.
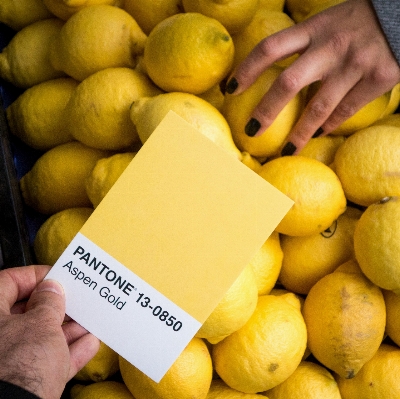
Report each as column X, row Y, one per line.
column 316, row 313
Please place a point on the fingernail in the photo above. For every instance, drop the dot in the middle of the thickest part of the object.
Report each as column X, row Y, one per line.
column 252, row 127
column 318, row 133
column 288, row 149
column 50, row 286
column 231, row 86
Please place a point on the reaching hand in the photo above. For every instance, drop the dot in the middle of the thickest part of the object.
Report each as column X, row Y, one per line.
column 344, row 48
column 40, row 349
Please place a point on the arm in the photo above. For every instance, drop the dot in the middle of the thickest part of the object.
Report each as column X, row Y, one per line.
column 40, row 352
column 344, row 47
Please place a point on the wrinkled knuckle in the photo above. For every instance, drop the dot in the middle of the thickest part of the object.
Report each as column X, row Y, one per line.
column 289, row 82
column 339, row 42
column 345, row 111
column 318, row 109
column 268, row 47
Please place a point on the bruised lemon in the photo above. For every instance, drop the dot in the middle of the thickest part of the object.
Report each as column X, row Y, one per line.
column 345, row 317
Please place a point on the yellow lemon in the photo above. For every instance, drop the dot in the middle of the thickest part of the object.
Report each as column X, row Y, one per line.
column 20, row 13
column 345, row 317
column 323, row 148
column 394, row 101
column 390, row 120
column 377, row 243
column 219, row 390
column 378, row 379
column 103, row 365
column 234, row 309
column 274, row 5
column 188, row 52
column 250, row 161
column 214, row 96
column 37, row 115
column 98, row 112
column 96, row 38
column 300, row 9
column 315, row 189
column 267, row 349
column 267, row 263
column 189, row 377
column 308, row 381
column 101, row 390
column 57, row 232
column 309, row 258
column 392, row 302
column 64, row 9
column 105, row 173
column 238, row 108
column 57, row 179
column 147, row 113
column 149, row 13
column 265, row 22
column 25, row 60
column 367, row 164
column 233, row 14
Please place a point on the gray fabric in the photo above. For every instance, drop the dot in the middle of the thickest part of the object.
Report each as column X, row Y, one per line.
column 388, row 12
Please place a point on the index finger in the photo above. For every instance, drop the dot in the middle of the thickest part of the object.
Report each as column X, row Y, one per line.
column 273, row 48
column 18, row 283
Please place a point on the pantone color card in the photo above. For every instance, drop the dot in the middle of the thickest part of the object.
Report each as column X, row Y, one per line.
column 165, row 244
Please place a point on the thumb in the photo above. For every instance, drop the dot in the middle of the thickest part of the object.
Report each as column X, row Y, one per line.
column 48, row 296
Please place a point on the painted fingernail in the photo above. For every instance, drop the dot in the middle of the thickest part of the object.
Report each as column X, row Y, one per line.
column 288, row 149
column 231, row 86
column 252, row 127
column 318, row 133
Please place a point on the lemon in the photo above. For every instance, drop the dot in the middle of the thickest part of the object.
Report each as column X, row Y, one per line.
column 367, row 164
column 323, row 148
column 378, row 379
column 105, row 173
column 253, row 163
column 309, row 258
column 57, row 179
column 265, row 22
column 301, row 9
column 377, row 243
column 64, row 9
column 267, row 349
column 219, row 390
column 392, row 302
column 234, row 309
column 189, row 376
column 267, row 263
column 188, row 52
column 364, row 117
column 104, row 364
column 57, row 232
column 146, row 113
column 308, row 381
column 233, row 14
column 394, row 101
column 390, row 120
column 238, row 108
column 25, row 60
column 101, row 390
column 20, row 13
column 315, row 189
column 96, row 38
column 149, row 13
column 345, row 317
column 37, row 115
column 98, row 112
column 274, row 5
column 214, row 96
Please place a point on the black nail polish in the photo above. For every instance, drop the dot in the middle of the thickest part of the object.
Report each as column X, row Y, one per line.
column 231, row 86
column 318, row 133
column 252, row 127
column 288, row 149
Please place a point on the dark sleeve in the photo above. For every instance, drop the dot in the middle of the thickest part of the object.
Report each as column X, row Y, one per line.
column 11, row 391
column 388, row 12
